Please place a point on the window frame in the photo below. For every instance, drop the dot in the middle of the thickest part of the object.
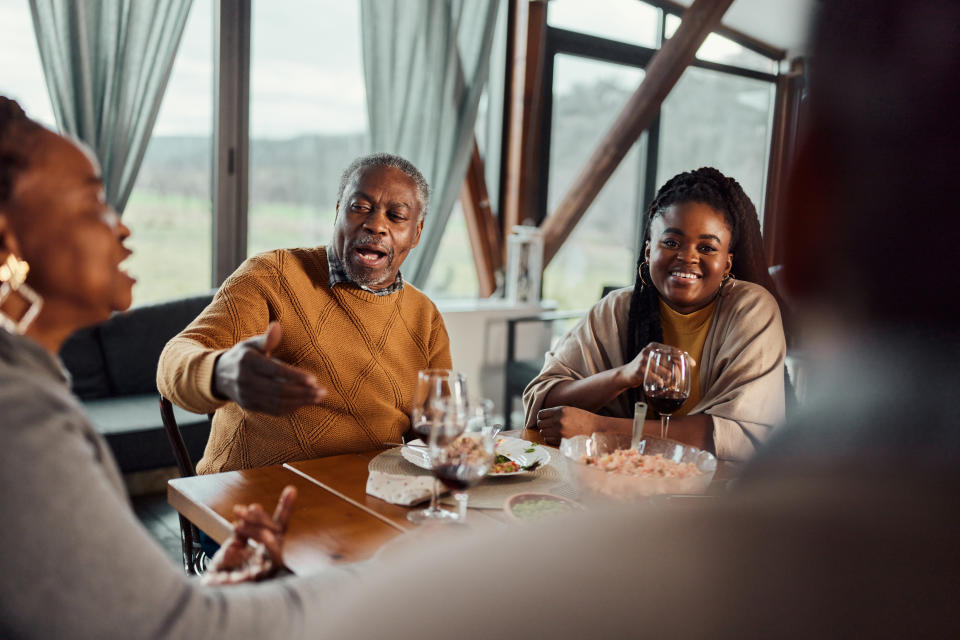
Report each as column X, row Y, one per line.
column 583, row 45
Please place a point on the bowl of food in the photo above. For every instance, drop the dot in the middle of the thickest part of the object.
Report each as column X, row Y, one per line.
column 530, row 507
column 606, row 466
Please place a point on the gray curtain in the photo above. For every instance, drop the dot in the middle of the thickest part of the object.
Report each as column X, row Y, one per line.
column 425, row 64
column 106, row 64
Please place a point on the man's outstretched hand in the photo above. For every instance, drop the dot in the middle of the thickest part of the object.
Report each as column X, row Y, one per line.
column 250, row 377
column 255, row 550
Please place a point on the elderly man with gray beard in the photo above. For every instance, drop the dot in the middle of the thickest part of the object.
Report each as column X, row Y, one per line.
column 314, row 352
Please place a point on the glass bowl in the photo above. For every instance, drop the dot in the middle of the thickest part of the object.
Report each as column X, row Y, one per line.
column 593, row 482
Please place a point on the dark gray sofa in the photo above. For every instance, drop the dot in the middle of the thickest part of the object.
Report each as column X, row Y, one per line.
column 114, row 367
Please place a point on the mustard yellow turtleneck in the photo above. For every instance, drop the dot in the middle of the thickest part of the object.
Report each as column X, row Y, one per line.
column 688, row 332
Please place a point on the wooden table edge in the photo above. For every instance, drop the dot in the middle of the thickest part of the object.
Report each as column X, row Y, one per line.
column 219, row 528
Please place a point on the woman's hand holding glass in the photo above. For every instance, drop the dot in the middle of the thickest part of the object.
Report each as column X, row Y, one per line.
column 636, row 370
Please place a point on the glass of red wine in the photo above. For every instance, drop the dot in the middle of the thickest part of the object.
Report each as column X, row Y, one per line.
column 666, row 383
column 461, row 457
column 438, row 413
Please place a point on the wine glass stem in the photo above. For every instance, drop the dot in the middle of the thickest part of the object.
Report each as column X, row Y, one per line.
column 434, row 495
column 664, row 424
column 461, row 497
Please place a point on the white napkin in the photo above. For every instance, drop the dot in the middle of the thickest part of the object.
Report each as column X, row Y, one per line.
column 399, row 489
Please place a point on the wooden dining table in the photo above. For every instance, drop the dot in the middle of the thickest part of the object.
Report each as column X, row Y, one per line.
column 334, row 520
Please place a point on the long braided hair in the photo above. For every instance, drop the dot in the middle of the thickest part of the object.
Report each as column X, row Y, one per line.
column 710, row 187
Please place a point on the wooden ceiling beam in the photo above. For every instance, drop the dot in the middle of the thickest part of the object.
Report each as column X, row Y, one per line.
column 527, row 50
column 481, row 225
column 662, row 73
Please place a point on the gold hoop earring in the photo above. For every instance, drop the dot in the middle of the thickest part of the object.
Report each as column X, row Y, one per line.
column 640, row 272
column 13, row 275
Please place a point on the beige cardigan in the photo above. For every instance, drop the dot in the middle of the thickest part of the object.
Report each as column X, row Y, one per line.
column 741, row 372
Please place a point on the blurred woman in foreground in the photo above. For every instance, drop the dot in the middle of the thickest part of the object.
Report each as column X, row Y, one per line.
column 702, row 287
column 75, row 562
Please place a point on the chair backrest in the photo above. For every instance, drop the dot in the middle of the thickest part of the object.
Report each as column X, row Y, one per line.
column 184, row 464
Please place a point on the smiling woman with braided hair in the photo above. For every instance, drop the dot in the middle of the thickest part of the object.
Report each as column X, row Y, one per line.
column 702, row 286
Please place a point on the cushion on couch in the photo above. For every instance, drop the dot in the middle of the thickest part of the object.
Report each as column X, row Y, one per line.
column 134, row 430
column 83, row 358
column 132, row 341
column 113, row 367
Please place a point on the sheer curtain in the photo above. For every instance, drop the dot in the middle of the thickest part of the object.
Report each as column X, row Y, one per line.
column 425, row 64
column 106, row 65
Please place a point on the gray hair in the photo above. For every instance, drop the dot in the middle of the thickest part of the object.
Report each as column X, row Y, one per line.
column 381, row 159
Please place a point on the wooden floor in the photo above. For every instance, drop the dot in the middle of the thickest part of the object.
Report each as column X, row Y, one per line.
column 162, row 522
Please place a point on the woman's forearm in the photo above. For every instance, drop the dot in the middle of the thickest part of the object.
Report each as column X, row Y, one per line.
column 590, row 393
column 695, row 430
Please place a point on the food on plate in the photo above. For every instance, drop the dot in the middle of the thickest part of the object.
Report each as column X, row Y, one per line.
column 467, row 449
column 631, row 462
column 503, row 464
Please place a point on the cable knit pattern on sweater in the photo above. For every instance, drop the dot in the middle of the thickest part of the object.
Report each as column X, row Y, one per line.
column 365, row 349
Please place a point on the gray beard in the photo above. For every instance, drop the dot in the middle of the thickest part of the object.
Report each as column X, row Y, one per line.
column 362, row 275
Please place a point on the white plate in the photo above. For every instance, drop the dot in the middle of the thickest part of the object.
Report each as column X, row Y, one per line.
column 523, row 452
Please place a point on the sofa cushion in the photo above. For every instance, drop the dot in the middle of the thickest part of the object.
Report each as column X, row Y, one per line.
column 132, row 341
column 134, row 430
column 83, row 358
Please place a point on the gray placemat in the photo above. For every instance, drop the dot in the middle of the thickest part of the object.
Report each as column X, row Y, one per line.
column 493, row 492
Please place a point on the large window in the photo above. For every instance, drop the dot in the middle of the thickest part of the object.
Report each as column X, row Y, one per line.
column 588, row 96
column 717, row 48
column 169, row 211
column 624, row 20
column 720, row 120
column 308, row 118
column 21, row 74
column 718, row 114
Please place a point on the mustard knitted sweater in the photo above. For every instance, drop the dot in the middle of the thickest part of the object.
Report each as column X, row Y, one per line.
column 365, row 349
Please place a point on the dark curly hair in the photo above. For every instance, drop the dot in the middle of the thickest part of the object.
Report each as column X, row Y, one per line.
column 710, row 187
column 15, row 129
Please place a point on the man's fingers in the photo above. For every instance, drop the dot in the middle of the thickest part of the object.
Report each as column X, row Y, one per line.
column 272, row 389
column 281, row 372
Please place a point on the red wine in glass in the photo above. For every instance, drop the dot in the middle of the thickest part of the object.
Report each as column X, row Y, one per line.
column 438, row 414
column 459, row 477
column 666, row 383
column 666, row 401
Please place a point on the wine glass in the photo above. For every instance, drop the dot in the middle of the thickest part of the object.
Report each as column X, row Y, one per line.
column 462, row 462
column 666, row 383
column 440, row 398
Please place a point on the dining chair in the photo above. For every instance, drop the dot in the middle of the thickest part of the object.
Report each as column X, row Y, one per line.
column 194, row 559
